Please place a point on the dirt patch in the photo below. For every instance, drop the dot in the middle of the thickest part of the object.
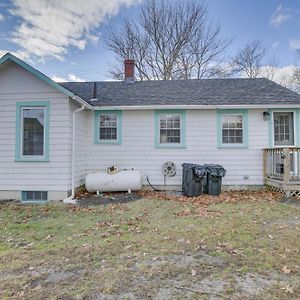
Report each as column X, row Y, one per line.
column 253, row 284
column 127, row 296
column 224, row 197
column 105, row 199
column 9, row 201
column 185, row 260
column 85, row 198
column 295, row 221
column 290, row 200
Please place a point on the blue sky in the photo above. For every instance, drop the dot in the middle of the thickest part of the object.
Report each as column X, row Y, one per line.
column 63, row 38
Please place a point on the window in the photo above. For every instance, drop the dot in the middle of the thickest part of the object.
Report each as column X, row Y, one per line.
column 170, row 128
column 283, row 128
column 232, row 128
column 32, row 130
column 108, row 127
column 34, row 196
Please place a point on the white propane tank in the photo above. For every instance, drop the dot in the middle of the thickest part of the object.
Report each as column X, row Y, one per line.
column 122, row 181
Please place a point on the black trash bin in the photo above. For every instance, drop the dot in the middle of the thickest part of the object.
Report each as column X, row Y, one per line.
column 214, row 179
column 192, row 179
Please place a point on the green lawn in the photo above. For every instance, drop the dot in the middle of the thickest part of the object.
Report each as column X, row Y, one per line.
column 151, row 249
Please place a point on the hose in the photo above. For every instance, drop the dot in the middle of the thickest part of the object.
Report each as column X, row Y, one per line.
column 154, row 188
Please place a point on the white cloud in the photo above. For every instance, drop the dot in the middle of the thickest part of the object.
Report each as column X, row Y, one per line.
column 294, row 44
column 18, row 54
column 71, row 77
column 48, row 28
column 1, row 18
column 279, row 16
column 282, row 75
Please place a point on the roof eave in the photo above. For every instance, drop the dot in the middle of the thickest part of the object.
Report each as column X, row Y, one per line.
column 10, row 57
column 153, row 107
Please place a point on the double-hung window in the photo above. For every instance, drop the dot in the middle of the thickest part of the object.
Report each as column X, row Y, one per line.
column 108, row 127
column 32, row 131
column 283, row 128
column 232, row 128
column 170, row 128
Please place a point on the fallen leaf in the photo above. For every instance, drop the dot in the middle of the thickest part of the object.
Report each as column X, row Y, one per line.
column 288, row 289
column 49, row 237
column 286, row 270
column 128, row 247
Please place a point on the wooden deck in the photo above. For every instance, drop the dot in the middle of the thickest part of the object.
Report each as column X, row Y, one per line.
column 282, row 170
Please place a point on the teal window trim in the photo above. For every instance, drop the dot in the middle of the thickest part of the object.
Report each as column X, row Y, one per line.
column 296, row 112
column 244, row 113
column 182, row 144
column 97, row 114
column 18, row 155
column 24, row 198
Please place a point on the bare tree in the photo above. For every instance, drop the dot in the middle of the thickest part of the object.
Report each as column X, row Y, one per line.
column 169, row 40
column 297, row 73
column 270, row 69
column 248, row 60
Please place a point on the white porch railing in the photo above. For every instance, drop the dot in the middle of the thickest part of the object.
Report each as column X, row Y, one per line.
column 282, row 168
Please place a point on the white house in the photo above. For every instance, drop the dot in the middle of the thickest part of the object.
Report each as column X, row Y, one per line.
column 52, row 135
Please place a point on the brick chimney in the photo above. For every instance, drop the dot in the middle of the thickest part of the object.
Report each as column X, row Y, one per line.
column 129, row 70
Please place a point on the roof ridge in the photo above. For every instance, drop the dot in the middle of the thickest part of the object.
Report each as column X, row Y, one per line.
column 171, row 80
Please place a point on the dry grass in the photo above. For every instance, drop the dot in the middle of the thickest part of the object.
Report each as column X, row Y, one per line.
column 150, row 248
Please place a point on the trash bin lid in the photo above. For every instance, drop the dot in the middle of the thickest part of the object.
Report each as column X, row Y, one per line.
column 215, row 170
column 199, row 171
column 187, row 165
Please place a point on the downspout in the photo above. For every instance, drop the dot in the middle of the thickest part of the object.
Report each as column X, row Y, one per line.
column 70, row 200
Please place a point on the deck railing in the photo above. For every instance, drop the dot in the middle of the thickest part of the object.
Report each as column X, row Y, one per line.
column 282, row 164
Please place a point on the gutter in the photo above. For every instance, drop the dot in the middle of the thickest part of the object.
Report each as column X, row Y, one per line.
column 70, row 200
column 202, row 107
column 82, row 102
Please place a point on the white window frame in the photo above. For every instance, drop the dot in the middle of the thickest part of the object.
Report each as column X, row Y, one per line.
column 108, row 140
column 243, row 129
column 180, row 128
column 37, row 157
column 294, row 128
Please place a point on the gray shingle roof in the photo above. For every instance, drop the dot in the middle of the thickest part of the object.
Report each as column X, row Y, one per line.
column 185, row 92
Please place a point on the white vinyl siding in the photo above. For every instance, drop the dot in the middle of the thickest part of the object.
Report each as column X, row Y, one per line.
column 18, row 85
column 80, row 144
column 137, row 149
